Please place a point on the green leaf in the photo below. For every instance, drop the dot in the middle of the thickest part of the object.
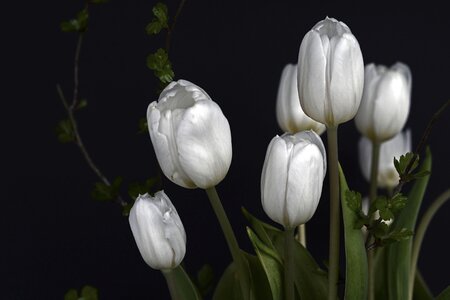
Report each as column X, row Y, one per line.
column 228, row 287
column 397, row 203
column 386, row 214
column 444, row 295
column 353, row 200
column 160, row 11
column 143, row 125
column 154, row 27
column 356, row 276
column 205, row 279
column 399, row 254
column 64, row 131
column 271, row 263
column 421, row 290
column 82, row 104
column 104, row 192
column 79, row 24
column 89, row 293
column 71, row 294
column 396, row 236
column 160, row 64
column 183, row 285
column 150, row 186
column 126, row 209
column 262, row 229
column 402, row 163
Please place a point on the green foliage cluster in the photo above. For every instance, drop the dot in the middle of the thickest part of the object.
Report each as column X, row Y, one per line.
column 87, row 293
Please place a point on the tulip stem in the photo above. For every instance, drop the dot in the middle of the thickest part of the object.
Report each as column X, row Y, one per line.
column 420, row 233
column 289, row 264
column 169, row 275
column 231, row 240
column 301, row 234
column 372, row 196
column 333, row 272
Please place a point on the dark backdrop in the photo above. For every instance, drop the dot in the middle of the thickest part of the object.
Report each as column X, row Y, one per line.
column 55, row 237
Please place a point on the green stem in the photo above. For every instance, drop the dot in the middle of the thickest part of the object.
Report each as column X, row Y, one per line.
column 301, row 234
column 169, row 275
column 289, row 264
column 334, row 212
column 372, row 196
column 231, row 240
column 420, row 233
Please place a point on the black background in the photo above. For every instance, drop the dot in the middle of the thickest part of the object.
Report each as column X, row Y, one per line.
column 54, row 237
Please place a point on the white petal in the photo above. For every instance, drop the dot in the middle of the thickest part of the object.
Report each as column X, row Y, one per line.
column 204, row 143
column 273, row 180
column 365, row 156
column 311, row 77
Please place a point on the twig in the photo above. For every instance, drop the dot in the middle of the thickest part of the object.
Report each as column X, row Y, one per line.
column 420, row 146
column 171, row 28
column 70, row 113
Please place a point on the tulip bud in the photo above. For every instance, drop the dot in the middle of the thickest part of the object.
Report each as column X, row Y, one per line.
column 292, row 177
column 290, row 115
column 158, row 231
column 385, row 102
column 190, row 135
column 330, row 73
column 387, row 174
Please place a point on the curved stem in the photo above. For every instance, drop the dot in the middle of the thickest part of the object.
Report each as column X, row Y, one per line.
column 171, row 28
column 372, row 196
column 231, row 240
column 420, row 233
column 289, row 264
column 333, row 172
column 75, row 72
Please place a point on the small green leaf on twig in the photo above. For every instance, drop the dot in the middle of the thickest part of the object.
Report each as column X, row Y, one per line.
column 160, row 64
column 89, row 293
column 79, row 24
column 104, row 192
column 353, row 200
column 159, row 22
column 71, row 294
column 150, row 186
column 82, row 104
column 64, row 131
column 395, row 236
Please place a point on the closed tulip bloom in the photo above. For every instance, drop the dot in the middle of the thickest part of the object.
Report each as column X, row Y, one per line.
column 292, row 177
column 330, row 73
column 385, row 102
column 190, row 135
column 387, row 174
column 290, row 115
column 158, row 231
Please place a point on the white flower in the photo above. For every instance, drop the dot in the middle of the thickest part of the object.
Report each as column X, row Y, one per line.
column 190, row 135
column 330, row 73
column 387, row 174
column 385, row 102
column 158, row 231
column 292, row 177
column 290, row 115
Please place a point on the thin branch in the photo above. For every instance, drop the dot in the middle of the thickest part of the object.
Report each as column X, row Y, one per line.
column 172, row 28
column 421, row 144
column 75, row 72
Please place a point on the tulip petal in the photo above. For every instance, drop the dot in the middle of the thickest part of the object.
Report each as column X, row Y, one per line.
column 347, row 78
column 311, row 77
column 273, row 180
column 204, row 143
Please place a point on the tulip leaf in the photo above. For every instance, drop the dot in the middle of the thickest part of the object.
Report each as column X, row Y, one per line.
column 184, row 287
column 421, row 290
column 205, row 279
column 444, row 295
column 356, row 277
column 271, row 263
column 399, row 254
column 260, row 228
column 229, row 288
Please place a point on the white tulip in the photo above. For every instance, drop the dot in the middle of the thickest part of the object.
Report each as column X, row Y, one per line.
column 158, row 231
column 190, row 135
column 290, row 115
column 385, row 102
column 387, row 174
column 330, row 73
column 292, row 177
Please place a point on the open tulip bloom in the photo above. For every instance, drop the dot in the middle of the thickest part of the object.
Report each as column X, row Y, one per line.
column 192, row 141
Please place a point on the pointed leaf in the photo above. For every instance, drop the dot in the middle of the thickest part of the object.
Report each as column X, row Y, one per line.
column 184, row 287
column 271, row 264
column 399, row 253
column 356, row 276
column 421, row 290
column 444, row 295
